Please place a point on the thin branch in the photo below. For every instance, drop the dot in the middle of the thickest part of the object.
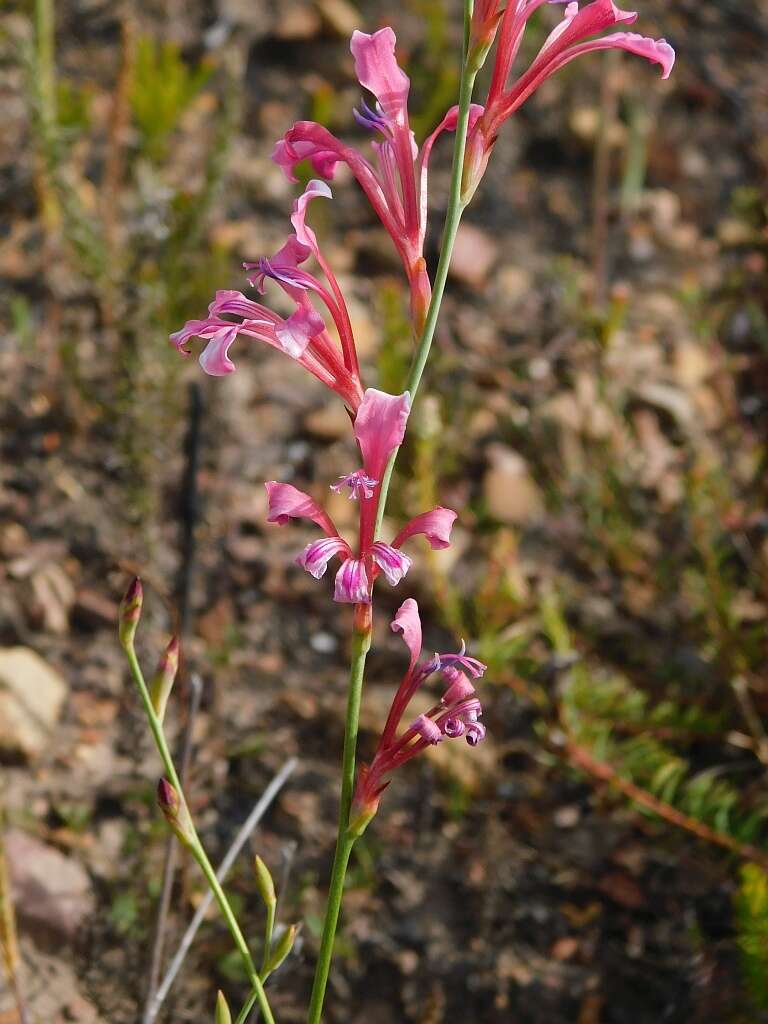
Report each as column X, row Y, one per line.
column 171, row 852
column 606, row 773
column 253, row 819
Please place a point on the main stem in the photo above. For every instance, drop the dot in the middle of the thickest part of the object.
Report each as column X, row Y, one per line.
column 362, row 641
column 361, row 644
column 195, row 846
column 452, row 221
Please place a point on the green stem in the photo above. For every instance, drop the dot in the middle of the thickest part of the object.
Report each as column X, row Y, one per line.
column 362, row 641
column 195, row 846
column 344, row 842
column 242, row 1017
column 452, row 221
column 268, row 930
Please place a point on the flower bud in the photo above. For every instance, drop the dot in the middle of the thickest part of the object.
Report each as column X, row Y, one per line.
column 223, row 1016
column 165, row 674
column 130, row 612
column 174, row 809
column 264, row 882
column 476, row 158
column 281, row 949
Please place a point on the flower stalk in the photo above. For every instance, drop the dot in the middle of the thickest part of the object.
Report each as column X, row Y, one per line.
column 346, row 836
column 172, row 794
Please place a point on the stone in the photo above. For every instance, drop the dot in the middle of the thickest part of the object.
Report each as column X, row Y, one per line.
column 52, row 892
column 31, row 698
column 330, row 422
column 511, row 494
column 474, row 256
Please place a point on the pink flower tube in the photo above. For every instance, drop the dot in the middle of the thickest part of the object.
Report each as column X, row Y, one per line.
column 303, row 335
column 396, row 183
column 568, row 40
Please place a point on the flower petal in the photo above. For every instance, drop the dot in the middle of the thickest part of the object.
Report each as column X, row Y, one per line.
column 295, row 333
column 352, row 586
column 460, row 687
column 288, row 502
column 380, row 428
column 282, row 266
column 307, row 140
column 314, row 189
column 234, row 302
column 408, row 623
column 214, row 358
column 316, row 556
column 657, row 50
column 393, row 563
column 435, row 525
column 378, row 71
column 427, row 729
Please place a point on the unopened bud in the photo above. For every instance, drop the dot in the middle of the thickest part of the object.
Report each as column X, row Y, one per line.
column 130, row 612
column 281, row 949
column 165, row 674
column 264, row 882
column 362, row 816
column 174, row 809
column 223, row 1016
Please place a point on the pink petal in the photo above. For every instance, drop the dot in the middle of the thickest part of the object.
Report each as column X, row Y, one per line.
column 393, row 563
column 316, row 556
column 288, row 502
column 282, row 266
column 435, row 525
column 380, row 428
column 460, row 687
column 308, row 141
column 408, row 624
column 214, row 358
column 296, row 332
column 352, row 585
column 313, row 190
column 234, row 302
column 427, row 729
column 656, row 50
column 378, row 71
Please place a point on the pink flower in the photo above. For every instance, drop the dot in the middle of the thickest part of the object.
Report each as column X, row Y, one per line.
column 396, row 186
column 568, row 40
column 456, row 714
column 379, row 429
column 303, row 335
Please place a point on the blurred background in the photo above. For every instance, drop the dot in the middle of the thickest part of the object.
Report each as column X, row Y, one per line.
column 595, row 409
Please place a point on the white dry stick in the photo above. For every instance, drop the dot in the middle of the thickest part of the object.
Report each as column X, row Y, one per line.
column 232, row 853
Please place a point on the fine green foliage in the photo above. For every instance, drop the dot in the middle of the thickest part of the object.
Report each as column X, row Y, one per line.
column 751, row 911
column 619, row 724
column 163, row 88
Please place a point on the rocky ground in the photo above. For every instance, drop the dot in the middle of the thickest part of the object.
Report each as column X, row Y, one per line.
column 498, row 884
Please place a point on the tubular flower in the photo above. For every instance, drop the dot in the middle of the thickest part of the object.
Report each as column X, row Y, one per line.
column 396, row 184
column 304, row 334
column 379, row 430
column 571, row 38
column 456, row 714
